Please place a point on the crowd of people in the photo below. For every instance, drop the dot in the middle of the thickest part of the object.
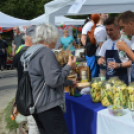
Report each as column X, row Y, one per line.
column 107, row 60
column 109, row 37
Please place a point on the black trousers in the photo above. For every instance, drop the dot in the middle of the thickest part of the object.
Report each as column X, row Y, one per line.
column 51, row 122
column 3, row 60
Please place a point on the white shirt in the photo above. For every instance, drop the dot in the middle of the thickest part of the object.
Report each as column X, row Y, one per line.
column 107, row 45
column 132, row 46
column 132, row 39
column 87, row 27
column 100, row 35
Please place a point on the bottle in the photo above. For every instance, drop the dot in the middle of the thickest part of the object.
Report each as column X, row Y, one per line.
column 122, row 54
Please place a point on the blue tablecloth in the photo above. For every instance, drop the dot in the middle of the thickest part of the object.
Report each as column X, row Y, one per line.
column 81, row 115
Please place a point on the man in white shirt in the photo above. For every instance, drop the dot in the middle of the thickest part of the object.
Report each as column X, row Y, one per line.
column 110, row 55
column 126, row 22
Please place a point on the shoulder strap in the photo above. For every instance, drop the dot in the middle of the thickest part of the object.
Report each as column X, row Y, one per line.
column 31, row 52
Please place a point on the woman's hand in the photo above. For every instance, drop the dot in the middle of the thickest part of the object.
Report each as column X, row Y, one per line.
column 72, row 62
column 121, row 45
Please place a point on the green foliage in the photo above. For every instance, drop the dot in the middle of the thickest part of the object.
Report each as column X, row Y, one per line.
column 29, row 9
column 114, row 14
column 10, row 124
column 78, row 17
column 9, row 49
column 23, row 9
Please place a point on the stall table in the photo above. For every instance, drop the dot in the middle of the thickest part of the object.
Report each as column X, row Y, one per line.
column 108, row 124
column 81, row 115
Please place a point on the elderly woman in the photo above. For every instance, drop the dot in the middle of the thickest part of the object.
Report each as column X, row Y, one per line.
column 67, row 42
column 44, row 68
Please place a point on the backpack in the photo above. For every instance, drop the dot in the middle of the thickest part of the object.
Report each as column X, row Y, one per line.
column 90, row 49
column 24, row 97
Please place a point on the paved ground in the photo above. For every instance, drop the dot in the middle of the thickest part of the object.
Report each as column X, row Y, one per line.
column 8, row 86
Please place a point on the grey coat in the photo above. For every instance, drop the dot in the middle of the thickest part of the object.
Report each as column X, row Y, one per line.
column 44, row 68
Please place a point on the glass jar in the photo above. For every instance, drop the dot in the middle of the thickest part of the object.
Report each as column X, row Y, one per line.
column 130, row 96
column 96, row 89
column 107, row 94
column 120, row 94
column 72, row 91
column 114, row 80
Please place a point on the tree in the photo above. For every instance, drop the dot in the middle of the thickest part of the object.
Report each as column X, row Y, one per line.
column 29, row 9
column 23, row 9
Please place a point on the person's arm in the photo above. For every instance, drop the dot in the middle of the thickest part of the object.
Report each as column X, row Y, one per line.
column 83, row 39
column 14, row 50
column 114, row 65
column 100, row 44
column 54, row 75
column 87, row 28
column 130, row 53
column 127, row 64
column 101, row 61
column 122, row 46
column 68, row 83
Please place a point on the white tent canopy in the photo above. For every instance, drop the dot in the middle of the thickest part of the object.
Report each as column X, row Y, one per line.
column 9, row 21
column 61, row 7
column 58, row 20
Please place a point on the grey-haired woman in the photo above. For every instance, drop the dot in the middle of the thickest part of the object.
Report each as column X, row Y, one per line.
column 44, row 68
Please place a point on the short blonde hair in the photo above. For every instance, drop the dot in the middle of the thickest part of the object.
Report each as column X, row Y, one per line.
column 65, row 30
column 46, row 33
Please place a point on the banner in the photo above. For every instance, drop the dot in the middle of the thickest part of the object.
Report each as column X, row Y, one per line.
column 75, row 8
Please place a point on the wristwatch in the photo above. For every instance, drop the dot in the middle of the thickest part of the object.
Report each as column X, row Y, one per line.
column 120, row 65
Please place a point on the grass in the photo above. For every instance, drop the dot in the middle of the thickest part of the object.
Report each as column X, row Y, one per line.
column 3, row 133
column 10, row 124
column 1, row 116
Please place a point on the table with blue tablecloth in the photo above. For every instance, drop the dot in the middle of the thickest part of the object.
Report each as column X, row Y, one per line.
column 81, row 114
